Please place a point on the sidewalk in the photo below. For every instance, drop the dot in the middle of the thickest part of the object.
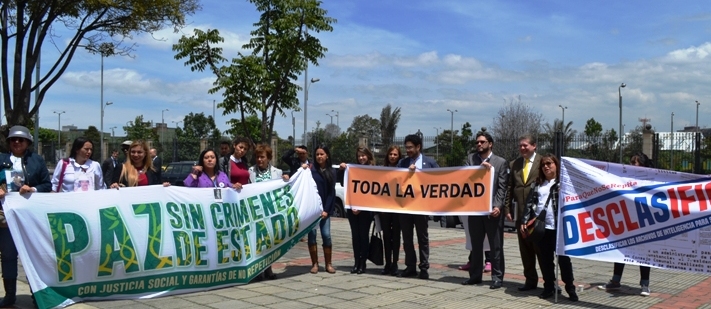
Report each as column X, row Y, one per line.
column 297, row 288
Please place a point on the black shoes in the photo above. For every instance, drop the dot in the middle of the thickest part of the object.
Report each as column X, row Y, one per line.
column 386, row 269
column 547, row 293
column 495, row 285
column 423, row 274
column 355, row 268
column 527, row 287
column 572, row 295
column 471, row 282
column 393, row 270
column 408, row 272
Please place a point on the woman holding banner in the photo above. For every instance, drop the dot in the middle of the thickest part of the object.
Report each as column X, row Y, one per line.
column 390, row 223
column 207, row 173
column 77, row 171
column 638, row 159
column 23, row 172
column 325, row 177
column 137, row 170
column 360, row 221
column 544, row 196
column 264, row 171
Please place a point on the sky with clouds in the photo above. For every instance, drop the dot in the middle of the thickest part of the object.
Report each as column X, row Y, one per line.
column 429, row 56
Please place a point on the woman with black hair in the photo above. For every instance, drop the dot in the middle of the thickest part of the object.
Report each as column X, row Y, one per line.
column 207, row 173
column 638, row 159
column 78, row 172
column 543, row 201
column 325, row 177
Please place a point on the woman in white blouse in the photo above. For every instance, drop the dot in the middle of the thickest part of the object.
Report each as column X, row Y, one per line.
column 78, row 172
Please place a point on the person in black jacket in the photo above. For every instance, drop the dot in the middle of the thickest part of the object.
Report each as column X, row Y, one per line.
column 28, row 173
column 138, row 169
column 325, row 177
column 544, row 196
column 302, row 157
column 108, row 166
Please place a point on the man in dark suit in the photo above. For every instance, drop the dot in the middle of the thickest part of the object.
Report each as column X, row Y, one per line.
column 108, row 166
column 524, row 172
column 157, row 162
column 492, row 225
column 415, row 161
column 294, row 163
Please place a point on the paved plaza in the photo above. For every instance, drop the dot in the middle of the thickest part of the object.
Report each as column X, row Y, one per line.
column 296, row 288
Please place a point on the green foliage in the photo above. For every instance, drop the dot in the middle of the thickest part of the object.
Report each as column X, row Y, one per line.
column 262, row 83
column 196, row 127
column 593, row 128
column 252, row 125
column 343, row 149
column 28, row 24
column 140, row 130
column 365, row 126
column 389, row 120
column 45, row 135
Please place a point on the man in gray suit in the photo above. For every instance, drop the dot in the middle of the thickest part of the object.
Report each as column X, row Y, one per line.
column 415, row 160
column 491, row 225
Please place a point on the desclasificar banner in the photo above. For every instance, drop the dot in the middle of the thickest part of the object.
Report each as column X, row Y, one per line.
column 635, row 215
column 153, row 241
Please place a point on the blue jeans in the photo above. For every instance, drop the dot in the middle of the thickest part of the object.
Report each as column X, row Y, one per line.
column 325, row 226
column 8, row 254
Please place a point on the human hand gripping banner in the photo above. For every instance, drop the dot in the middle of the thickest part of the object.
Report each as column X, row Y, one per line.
column 436, row 191
column 634, row 215
column 153, row 241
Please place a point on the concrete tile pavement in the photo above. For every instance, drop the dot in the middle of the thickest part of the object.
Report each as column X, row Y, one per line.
column 297, row 288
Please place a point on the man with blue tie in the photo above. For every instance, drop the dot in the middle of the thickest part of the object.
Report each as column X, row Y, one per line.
column 415, row 160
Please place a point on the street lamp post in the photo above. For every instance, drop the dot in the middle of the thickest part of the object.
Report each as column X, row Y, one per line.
column 671, row 148
column 337, row 118
column 177, row 123
column 619, row 92
column 452, row 127
column 436, row 140
column 101, row 133
column 162, row 125
column 697, row 116
column 112, row 133
column 293, row 128
column 59, row 127
column 329, row 115
column 563, row 108
column 306, row 97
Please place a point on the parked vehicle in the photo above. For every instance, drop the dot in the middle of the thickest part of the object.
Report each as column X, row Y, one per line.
column 176, row 172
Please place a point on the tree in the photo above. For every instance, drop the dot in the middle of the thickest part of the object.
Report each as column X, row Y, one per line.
column 25, row 25
column 45, row 135
column 389, row 120
column 140, row 130
column 251, row 127
column 332, row 131
column 593, row 128
column 547, row 138
column 514, row 120
column 365, row 126
column 263, row 82
column 196, row 127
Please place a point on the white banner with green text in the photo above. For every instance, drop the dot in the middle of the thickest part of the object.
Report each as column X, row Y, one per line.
column 152, row 241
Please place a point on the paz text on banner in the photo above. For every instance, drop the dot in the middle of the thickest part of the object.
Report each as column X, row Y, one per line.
column 438, row 191
column 653, row 218
column 153, row 241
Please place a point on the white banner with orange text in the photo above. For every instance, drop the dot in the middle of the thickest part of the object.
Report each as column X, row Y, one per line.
column 635, row 215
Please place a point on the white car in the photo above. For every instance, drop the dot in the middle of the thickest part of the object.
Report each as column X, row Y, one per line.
column 338, row 210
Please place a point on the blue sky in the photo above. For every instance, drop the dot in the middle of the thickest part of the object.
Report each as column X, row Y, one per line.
column 430, row 56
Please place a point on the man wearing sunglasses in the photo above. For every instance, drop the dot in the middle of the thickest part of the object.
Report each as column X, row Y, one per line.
column 491, row 226
column 25, row 172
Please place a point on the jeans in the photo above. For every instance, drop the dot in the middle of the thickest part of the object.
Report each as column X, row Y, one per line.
column 8, row 254
column 325, row 226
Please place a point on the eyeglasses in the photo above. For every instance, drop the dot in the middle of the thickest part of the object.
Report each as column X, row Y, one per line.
column 482, row 142
column 547, row 163
column 16, row 139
